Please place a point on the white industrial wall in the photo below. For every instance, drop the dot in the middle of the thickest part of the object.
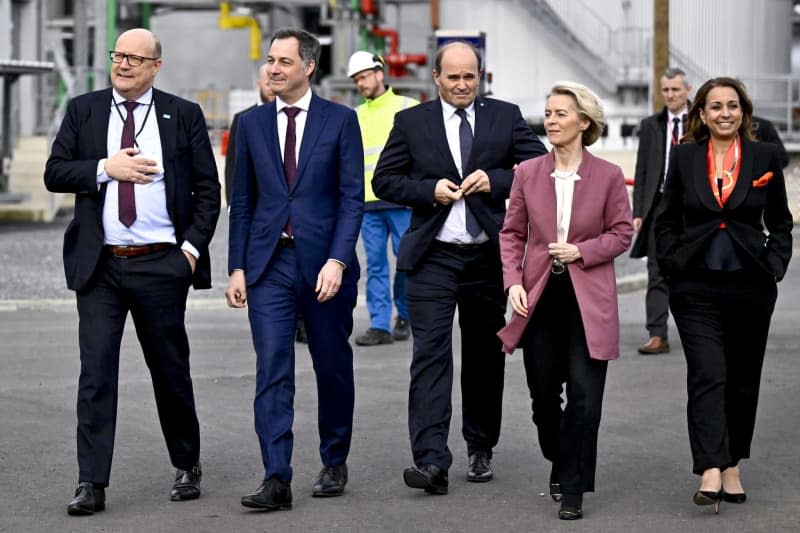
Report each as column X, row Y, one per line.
column 738, row 37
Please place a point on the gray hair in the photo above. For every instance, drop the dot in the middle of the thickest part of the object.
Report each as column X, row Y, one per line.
column 672, row 72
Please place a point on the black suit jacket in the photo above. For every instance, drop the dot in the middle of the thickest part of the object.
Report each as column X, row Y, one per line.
column 648, row 175
column 765, row 131
column 688, row 215
column 190, row 173
column 230, row 156
column 416, row 156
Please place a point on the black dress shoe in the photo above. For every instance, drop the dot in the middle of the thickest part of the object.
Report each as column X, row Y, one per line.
column 88, row 499
column 555, row 486
column 301, row 336
column 374, row 337
column 480, row 467
column 401, row 330
column 187, row 484
column 431, row 478
column 571, row 507
column 330, row 481
column 273, row 495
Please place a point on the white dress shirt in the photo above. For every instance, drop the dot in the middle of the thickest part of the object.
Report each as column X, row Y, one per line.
column 299, row 121
column 670, row 124
column 454, row 229
column 152, row 222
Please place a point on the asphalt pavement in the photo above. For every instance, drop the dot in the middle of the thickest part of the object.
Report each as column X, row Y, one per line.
column 644, row 479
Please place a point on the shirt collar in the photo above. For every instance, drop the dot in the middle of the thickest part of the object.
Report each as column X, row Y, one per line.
column 303, row 103
column 449, row 110
column 143, row 99
column 679, row 114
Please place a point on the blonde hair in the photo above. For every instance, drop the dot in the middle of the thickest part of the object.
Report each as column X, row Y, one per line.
column 588, row 105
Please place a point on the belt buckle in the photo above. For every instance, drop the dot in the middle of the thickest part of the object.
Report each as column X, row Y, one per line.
column 558, row 267
column 119, row 248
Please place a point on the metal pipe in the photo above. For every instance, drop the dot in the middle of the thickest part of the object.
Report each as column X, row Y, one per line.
column 80, row 43
column 230, row 22
column 5, row 171
column 397, row 60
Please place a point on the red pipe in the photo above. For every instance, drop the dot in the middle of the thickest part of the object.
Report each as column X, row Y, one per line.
column 368, row 7
column 394, row 38
column 397, row 60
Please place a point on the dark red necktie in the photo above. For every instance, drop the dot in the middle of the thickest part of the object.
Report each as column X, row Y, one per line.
column 289, row 161
column 126, row 196
column 676, row 130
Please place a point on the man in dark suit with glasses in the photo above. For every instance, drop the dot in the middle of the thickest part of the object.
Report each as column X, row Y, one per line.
column 147, row 198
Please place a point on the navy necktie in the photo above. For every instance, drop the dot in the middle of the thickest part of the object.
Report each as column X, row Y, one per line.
column 465, row 142
column 125, row 194
column 289, row 161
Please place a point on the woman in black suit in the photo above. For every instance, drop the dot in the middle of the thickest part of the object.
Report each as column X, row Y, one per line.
column 723, row 236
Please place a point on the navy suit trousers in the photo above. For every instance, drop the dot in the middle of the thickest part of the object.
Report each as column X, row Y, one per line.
column 274, row 303
column 468, row 279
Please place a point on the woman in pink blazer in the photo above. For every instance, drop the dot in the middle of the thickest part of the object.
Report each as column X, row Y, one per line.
column 568, row 218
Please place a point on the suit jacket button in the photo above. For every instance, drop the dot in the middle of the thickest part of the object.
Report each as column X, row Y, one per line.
column 290, row 197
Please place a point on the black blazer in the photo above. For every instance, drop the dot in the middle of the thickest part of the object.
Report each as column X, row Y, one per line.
column 190, row 172
column 416, row 156
column 230, row 156
column 648, row 175
column 688, row 215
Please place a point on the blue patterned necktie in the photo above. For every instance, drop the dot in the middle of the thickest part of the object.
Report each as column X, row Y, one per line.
column 465, row 142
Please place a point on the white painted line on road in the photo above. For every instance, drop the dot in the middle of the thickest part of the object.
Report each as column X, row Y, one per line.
column 68, row 304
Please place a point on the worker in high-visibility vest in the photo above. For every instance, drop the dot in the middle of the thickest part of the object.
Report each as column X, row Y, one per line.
column 382, row 219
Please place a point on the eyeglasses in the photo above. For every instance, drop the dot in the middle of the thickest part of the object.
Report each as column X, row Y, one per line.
column 133, row 60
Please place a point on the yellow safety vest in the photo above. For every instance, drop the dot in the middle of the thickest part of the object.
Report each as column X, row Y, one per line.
column 376, row 117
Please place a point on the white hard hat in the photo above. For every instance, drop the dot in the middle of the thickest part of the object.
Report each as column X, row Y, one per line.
column 363, row 61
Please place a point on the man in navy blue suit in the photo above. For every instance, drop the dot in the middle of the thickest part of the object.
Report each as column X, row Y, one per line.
column 295, row 215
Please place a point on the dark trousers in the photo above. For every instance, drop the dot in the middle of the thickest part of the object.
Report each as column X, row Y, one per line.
column 555, row 352
column 274, row 302
column 153, row 288
column 470, row 279
column 657, row 297
column 723, row 321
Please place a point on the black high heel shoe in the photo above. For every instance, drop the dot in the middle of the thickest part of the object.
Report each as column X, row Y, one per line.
column 709, row 497
column 735, row 497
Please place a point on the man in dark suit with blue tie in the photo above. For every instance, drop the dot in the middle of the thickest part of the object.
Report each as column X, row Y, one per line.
column 147, row 199
column 295, row 215
column 457, row 183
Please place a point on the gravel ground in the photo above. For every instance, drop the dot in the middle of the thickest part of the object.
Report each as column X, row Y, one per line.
column 30, row 255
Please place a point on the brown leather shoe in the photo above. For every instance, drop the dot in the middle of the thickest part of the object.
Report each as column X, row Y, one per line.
column 654, row 346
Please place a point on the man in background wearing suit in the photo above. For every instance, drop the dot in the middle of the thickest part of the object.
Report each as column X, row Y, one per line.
column 140, row 164
column 456, row 183
column 657, row 134
column 296, row 210
column 266, row 96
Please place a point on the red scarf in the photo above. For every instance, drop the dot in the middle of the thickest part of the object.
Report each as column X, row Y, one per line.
column 732, row 162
